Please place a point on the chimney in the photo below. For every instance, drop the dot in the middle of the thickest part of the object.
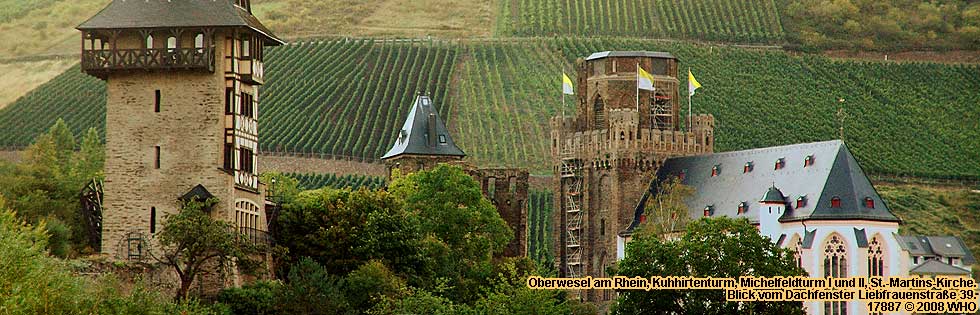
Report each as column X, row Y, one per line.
column 432, row 130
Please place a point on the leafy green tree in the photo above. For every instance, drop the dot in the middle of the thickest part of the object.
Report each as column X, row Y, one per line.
column 463, row 228
column 310, row 289
column 194, row 244
column 711, row 247
column 282, row 188
column 667, row 212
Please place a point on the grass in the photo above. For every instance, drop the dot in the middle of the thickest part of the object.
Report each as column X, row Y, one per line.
column 23, row 76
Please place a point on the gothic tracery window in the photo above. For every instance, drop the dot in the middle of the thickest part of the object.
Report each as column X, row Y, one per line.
column 876, row 258
column 835, row 265
column 798, row 254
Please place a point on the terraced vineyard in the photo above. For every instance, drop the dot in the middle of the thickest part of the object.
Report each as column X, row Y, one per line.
column 742, row 21
column 539, row 227
column 317, row 181
column 349, row 97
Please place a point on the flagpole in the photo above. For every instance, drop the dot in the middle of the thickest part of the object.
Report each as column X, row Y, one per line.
column 690, row 116
column 563, row 93
column 638, row 88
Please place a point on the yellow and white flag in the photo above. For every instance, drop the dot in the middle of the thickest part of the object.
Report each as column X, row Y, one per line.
column 566, row 85
column 644, row 80
column 692, row 83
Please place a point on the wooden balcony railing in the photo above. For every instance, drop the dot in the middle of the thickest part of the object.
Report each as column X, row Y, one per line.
column 98, row 61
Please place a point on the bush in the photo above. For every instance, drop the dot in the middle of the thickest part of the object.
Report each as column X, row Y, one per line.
column 257, row 298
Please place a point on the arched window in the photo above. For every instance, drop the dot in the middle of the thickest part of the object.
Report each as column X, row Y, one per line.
column 599, row 113
column 149, row 41
column 199, row 43
column 171, row 43
column 835, row 265
column 876, row 257
column 798, row 252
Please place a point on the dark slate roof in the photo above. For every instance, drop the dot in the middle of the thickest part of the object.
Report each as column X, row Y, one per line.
column 808, row 238
column 933, row 267
column 774, row 195
column 654, row 54
column 834, row 172
column 135, row 14
column 414, row 136
column 861, row 237
column 930, row 246
column 198, row 192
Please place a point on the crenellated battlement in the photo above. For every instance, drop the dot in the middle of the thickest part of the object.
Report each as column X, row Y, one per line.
column 624, row 139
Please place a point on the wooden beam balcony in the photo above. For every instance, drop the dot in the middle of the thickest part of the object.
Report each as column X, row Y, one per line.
column 99, row 62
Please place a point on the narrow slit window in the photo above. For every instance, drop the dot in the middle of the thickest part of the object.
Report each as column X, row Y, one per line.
column 153, row 220
column 156, row 101
column 229, row 100
column 156, row 157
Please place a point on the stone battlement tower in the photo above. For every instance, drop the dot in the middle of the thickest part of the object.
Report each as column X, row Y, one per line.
column 181, row 113
column 607, row 153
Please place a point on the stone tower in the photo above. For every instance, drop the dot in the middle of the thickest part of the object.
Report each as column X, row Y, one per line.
column 607, row 153
column 424, row 142
column 181, row 113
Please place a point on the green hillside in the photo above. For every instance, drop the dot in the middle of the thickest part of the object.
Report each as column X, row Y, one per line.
column 317, row 181
column 349, row 97
column 741, row 21
column 539, row 225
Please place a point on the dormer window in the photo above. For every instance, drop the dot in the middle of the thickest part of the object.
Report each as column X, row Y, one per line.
column 715, row 170
column 869, row 203
column 780, row 163
column 742, row 207
column 442, row 139
column 748, row 167
column 808, row 161
column 682, row 174
column 835, row 202
column 709, row 210
column 801, row 201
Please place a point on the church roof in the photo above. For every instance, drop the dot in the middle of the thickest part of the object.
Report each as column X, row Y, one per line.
column 743, row 176
column 147, row 14
column 424, row 133
column 774, row 195
column 933, row 267
column 654, row 54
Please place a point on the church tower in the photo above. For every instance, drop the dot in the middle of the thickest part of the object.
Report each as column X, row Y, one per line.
column 182, row 81
column 607, row 153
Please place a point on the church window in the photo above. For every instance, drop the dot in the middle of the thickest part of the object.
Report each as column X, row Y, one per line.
column 715, row 170
column 835, row 202
column 153, row 220
column 798, row 252
column 835, row 265
column 747, row 168
column 742, row 207
column 808, row 161
column 801, row 202
column 780, row 163
column 876, row 258
column 869, row 203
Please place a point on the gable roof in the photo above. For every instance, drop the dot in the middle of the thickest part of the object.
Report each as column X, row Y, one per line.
column 145, row 14
column 424, row 133
column 931, row 246
column 933, row 267
column 198, row 192
column 833, row 173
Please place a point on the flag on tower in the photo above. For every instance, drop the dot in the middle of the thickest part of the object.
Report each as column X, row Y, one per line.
column 566, row 84
column 644, row 80
column 692, row 83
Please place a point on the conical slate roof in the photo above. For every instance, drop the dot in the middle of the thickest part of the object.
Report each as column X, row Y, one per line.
column 148, row 14
column 774, row 195
column 424, row 133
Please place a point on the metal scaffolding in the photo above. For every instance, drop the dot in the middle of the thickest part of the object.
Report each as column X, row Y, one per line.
column 571, row 178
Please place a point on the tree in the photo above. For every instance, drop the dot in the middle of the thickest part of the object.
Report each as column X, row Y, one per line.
column 710, row 247
column 194, row 244
column 667, row 212
column 463, row 229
